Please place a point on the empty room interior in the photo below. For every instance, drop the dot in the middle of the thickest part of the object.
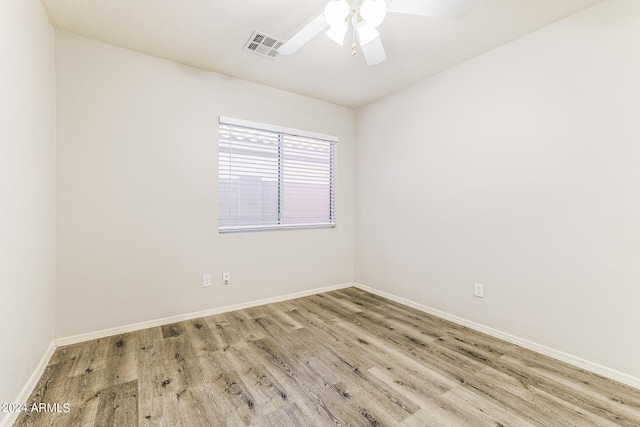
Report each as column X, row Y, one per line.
column 215, row 214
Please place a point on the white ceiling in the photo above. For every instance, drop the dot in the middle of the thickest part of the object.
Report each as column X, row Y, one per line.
column 211, row 34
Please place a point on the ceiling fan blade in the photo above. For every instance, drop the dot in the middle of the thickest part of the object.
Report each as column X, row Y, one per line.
column 374, row 52
column 303, row 36
column 452, row 9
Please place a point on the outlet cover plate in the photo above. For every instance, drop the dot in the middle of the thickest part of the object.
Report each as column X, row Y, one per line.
column 206, row 280
column 479, row 290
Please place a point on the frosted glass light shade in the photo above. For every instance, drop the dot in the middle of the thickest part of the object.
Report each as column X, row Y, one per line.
column 337, row 32
column 336, row 12
column 373, row 11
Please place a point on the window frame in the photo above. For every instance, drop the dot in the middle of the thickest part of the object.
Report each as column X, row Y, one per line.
column 282, row 132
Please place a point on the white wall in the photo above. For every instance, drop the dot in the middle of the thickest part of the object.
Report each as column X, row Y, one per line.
column 27, row 192
column 137, row 210
column 519, row 169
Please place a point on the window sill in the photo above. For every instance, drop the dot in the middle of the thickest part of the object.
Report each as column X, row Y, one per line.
column 253, row 228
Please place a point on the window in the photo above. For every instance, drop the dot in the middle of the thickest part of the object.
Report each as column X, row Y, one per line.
column 273, row 178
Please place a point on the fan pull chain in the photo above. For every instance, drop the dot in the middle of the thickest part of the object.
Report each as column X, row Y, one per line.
column 353, row 44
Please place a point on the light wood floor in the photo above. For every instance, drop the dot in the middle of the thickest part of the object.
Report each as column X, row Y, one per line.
column 341, row 358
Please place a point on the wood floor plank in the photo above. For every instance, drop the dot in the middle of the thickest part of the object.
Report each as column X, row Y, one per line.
column 324, row 405
column 443, row 410
column 121, row 364
column 118, row 405
column 158, row 402
column 225, row 387
column 186, row 377
column 83, row 392
column 279, row 417
column 200, row 337
column 285, row 386
column 159, row 412
column 346, row 303
column 173, row 330
column 579, row 416
column 484, row 411
column 347, row 373
column 440, row 413
column 434, row 416
column 223, row 331
column 455, row 364
column 244, row 325
column 577, row 394
column 407, row 371
column 359, row 388
column 279, row 316
column 269, row 395
column 346, row 380
column 90, row 357
column 510, row 390
column 344, row 357
column 79, row 415
column 51, row 387
column 452, row 368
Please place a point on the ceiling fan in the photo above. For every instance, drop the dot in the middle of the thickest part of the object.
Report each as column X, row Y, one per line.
column 365, row 16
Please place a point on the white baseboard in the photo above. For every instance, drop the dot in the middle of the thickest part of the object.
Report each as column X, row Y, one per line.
column 31, row 383
column 181, row 317
column 547, row 351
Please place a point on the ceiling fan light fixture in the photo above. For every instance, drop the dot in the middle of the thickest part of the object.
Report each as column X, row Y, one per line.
column 336, row 12
column 364, row 16
column 373, row 11
column 337, row 33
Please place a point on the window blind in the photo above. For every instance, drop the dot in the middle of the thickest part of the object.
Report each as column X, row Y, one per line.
column 274, row 178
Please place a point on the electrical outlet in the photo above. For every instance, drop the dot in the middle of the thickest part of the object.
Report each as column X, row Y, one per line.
column 206, row 280
column 226, row 278
column 479, row 290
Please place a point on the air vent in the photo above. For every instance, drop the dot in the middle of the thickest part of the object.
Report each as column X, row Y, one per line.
column 263, row 45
